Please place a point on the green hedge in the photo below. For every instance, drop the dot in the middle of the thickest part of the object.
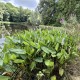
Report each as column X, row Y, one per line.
column 40, row 54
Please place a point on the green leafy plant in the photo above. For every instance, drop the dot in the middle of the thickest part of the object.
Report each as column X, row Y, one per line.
column 39, row 54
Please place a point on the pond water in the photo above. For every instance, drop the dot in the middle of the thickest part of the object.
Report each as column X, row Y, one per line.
column 9, row 29
column 2, row 39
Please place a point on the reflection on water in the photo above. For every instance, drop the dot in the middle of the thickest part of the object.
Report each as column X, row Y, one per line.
column 9, row 29
column 2, row 39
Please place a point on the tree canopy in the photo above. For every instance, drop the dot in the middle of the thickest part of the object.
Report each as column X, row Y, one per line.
column 53, row 10
column 8, row 12
column 48, row 11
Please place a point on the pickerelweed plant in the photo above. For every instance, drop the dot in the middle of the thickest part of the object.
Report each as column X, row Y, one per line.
column 40, row 54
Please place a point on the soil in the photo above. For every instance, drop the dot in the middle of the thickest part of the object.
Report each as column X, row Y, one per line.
column 73, row 70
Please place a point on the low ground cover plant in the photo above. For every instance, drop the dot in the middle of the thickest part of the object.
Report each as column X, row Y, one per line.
column 37, row 55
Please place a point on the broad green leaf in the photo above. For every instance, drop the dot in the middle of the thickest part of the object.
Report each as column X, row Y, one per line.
column 32, row 43
column 6, row 58
column 74, row 54
column 57, row 46
column 49, row 63
column 61, row 71
column 33, row 65
column 23, row 56
column 53, row 78
column 41, row 43
column 4, row 77
column 53, row 54
column 59, row 55
column 43, row 54
column 9, row 68
column 26, row 43
column 13, row 56
column 47, row 50
column 23, row 37
column 19, row 61
column 62, row 53
column 32, row 51
column 18, row 51
column 37, row 45
column 62, row 56
column 46, row 71
column 9, row 38
column 39, row 59
column 62, row 60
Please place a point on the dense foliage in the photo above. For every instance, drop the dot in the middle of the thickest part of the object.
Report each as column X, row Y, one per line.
column 9, row 12
column 39, row 54
column 54, row 10
column 34, row 18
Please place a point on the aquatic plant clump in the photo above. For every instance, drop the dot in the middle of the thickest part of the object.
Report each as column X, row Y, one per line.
column 38, row 55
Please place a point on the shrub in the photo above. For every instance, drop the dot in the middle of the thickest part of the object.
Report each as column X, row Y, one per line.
column 39, row 54
column 71, row 23
column 34, row 19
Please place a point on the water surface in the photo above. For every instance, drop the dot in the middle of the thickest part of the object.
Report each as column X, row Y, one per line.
column 9, row 29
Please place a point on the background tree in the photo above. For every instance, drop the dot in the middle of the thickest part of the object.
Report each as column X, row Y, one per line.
column 2, row 9
column 6, row 16
column 34, row 18
column 8, row 12
column 47, row 9
column 54, row 10
column 12, row 10
column 68, row 7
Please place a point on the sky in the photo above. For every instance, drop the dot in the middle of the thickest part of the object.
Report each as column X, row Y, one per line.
column 31, row 4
